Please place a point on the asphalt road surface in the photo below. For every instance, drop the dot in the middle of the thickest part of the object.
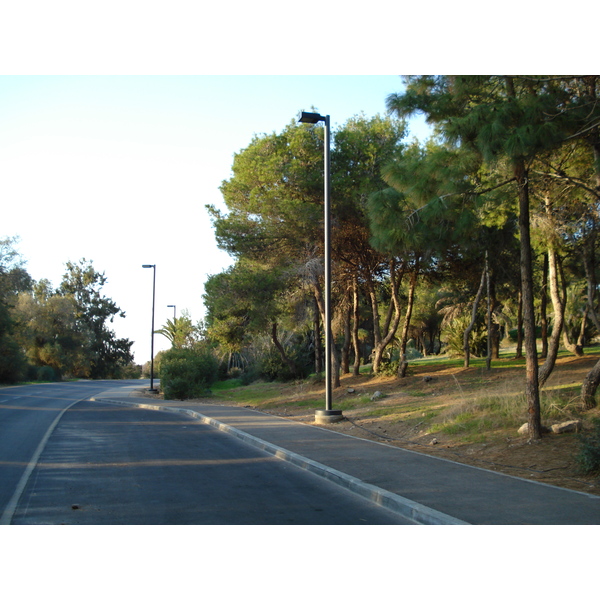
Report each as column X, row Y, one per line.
column 64, row 460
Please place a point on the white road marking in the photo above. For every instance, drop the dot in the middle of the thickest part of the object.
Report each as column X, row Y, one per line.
column 9, row 511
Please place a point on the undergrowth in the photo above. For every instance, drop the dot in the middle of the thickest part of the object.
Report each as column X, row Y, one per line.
column 588, row 457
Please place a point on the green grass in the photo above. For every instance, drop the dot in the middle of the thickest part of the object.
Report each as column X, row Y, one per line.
column 228, row 384
column 353, row 402
column 253, row 395
column 478, row 418
column 36, row 382
column 430, row 414
column 490, row 414
column 562, row 403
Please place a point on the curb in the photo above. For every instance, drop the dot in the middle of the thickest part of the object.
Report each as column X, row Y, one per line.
column 419, row 513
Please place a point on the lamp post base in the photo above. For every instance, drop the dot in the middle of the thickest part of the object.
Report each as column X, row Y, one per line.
column 324, row 417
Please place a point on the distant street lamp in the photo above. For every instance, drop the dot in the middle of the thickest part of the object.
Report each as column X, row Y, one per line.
column 328, row 415
column 174, row 310
column 152, row 336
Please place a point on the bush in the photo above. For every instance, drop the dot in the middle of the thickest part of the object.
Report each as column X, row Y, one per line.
column 12, row 363
column 46, row 373
column 187, row 372
column 389, row 367
column 272, row 367
column 453, row 336
column 588, row 458
column 512, row 334
column 130, row 371
column 250, row 375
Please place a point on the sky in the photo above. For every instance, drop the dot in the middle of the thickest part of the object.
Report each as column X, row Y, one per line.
column 118, row 170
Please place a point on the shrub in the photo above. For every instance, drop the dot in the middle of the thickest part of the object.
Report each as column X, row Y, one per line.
column 187, row 372
column 512, row 334
column 12, row 363
column 453, row 336
column 388, row 368
column 588, row 458
column 271, row 366
column 46, row 373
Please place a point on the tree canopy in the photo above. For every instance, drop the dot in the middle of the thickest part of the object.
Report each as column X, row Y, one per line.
column 51, row 333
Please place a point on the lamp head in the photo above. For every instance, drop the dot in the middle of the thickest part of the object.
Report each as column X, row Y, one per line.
column 306, row 117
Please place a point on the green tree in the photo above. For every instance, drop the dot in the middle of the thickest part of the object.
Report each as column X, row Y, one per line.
column 422, row 216
column 83, row 284
column 247, row 300
column 13, row 280
column 13, row 276
column 181, row 331
column 12, row 361
column 502, row 118
column 275, row 202
column 362, row 148
column 47, row 330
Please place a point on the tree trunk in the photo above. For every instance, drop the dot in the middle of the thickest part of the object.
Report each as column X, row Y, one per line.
column 532, row 392
column 345, row 366
column 590, row 384
column 355, row 324
column 519, row 352
column 572, row 347
column 543, row 309
column 558, row 305
column 590, row 275
column 317, row 334
column 488, row 361
column 403, row 363
column 581, row 339
column 383, row 336
column 468, row 330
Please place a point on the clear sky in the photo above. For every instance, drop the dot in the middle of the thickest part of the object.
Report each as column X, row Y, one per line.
column 118, row 170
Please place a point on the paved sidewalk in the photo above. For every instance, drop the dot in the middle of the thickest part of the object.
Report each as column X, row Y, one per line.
column 426, row 489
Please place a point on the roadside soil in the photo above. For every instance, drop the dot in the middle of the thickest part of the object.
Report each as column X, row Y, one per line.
column 402, row 417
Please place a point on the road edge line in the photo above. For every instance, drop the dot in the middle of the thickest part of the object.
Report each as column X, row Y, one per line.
column 11, row 507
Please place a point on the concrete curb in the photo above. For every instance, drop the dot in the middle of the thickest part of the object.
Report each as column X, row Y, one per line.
column 407, row 508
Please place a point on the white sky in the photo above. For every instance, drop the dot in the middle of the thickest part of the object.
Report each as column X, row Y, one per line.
column 118, row 170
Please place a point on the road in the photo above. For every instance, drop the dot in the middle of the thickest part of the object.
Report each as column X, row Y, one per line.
column 65, row 460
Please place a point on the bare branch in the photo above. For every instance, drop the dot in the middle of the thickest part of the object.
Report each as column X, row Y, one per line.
column 574, row 180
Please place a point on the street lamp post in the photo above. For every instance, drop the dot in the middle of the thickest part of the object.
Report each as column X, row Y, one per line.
column 152, row 336
column 174, row 307
column 328, row 415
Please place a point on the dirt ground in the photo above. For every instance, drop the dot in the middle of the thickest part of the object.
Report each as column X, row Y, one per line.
column 402, row 416
column 550, row 460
